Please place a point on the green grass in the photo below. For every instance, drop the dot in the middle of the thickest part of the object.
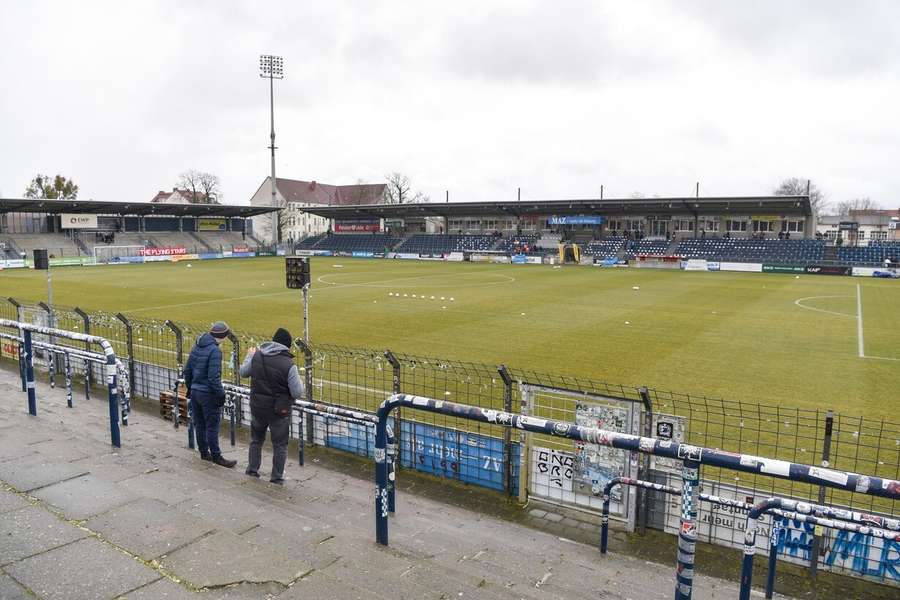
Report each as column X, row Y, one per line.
column 736, row 335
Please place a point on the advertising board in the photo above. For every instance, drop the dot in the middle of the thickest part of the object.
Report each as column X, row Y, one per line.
column 210, row 224
column 784, row 269
column 362, row 254
column 828, row 270
column 357, row 226
column 696, row 264
column 167, row 251
column 576, row 220
column 78, row 221
column 742, row 267
column 18, row 263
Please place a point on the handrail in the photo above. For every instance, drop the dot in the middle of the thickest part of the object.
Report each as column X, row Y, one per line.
column 821, row 515
column 810, row 513
column 692, row 458
column 330, row 410
column 28, row 329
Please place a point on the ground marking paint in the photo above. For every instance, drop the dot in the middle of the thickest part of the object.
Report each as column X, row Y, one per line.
column 859, row 321
column 799, row 302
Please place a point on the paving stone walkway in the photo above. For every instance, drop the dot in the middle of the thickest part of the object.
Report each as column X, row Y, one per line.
column 80, row 519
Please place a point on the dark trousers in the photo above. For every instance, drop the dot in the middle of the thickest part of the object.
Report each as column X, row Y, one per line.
column 207, row 416
column 280, row 428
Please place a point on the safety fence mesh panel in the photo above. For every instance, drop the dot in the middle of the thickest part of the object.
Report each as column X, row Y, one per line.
column 492, row 456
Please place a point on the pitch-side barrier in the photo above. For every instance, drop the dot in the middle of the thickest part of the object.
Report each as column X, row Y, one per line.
column 108, row 358
column 823, row 516
column 692, row 458
column 303, row 409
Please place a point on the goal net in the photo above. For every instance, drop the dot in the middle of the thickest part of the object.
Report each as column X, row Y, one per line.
column 113, row 254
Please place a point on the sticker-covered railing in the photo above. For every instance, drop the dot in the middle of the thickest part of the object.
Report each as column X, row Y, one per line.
column 691, row 457
column 822, row 516
column 27, row 362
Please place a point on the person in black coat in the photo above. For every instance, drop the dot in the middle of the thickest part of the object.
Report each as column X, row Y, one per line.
column 275, row 384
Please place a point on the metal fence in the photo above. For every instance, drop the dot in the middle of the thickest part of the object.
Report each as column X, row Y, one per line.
column 554, row 470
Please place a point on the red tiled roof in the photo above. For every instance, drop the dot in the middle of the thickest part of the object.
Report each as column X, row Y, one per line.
column 313, row 192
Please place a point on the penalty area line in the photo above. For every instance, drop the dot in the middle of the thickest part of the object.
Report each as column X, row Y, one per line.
column 859, row 322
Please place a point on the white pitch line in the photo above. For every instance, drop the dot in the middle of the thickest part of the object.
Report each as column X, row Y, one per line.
column 799, row 302
column 859, row 321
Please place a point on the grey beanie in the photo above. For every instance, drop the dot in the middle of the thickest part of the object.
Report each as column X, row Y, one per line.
column 220, row 330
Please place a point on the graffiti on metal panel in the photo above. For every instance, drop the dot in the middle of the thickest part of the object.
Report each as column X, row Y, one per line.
column 559, row 467
column 596, row 465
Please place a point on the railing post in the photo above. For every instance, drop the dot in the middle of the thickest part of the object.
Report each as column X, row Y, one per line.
column 507, row 434
column 305, row 426
column 29, row 373
column 687, row 535
column 88, row 367
column 129, row 347
column 773, row 557
column 236, row 378
column 51, row 356
column 113, row 390
column 18, row 308
column 643, row 496
column 394, row 446
column 67, row 367
column 179, row 356
column 826, row 457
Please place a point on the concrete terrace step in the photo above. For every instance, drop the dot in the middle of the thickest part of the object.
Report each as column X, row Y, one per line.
column 81, row 519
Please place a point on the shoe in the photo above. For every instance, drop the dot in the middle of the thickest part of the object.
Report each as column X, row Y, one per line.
column 205, row 456
column 251, row 473
column 277, row 481
column 223, row 462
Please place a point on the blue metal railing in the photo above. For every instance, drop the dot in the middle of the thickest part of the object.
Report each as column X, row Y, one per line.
column 692, row 458
column 112, row 367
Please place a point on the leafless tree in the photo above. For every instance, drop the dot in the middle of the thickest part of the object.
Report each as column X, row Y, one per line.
column 795, row 186
column 190, row 180
column 399, row 190
column 211, row 187
column 864, row 203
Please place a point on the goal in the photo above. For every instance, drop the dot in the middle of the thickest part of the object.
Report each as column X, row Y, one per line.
column 114, row 254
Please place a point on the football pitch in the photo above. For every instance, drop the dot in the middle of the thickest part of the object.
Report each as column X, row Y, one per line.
column 811, row 342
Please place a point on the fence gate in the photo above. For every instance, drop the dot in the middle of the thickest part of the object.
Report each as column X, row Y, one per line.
column 573, row 474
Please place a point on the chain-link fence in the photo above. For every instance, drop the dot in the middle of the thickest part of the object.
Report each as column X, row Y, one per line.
column 545, row 467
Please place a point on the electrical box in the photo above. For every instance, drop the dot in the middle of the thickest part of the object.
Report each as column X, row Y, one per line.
column 41, row 262
column 297, row 272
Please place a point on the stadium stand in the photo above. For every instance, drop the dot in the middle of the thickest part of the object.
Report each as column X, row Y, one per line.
column 439, row 244
column 646, row 247
column 57, row 244
column 875, row 253
column 606, row 248
column 350, row 242
column 511, row 244
column 743, row 250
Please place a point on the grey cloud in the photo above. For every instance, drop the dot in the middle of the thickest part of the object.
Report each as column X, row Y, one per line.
column 547, row 42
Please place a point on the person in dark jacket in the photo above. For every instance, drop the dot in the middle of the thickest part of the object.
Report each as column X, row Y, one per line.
column 203, row 378
column 274, row 385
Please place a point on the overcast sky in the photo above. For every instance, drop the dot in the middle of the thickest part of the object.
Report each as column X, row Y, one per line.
column 475, row 97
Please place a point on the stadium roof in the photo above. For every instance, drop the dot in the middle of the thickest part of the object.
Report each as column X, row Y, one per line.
column 739, row 205
column 91, row 207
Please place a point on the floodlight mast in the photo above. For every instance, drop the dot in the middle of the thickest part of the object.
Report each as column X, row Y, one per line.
column 272, row 67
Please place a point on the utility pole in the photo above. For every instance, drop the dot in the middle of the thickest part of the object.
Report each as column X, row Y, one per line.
column 272, row 67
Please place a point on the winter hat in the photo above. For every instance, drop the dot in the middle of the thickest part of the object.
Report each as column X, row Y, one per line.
column 283, row 337
column 219, row 330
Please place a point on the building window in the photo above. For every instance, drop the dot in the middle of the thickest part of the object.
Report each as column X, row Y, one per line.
column 877, row 235
column 684, row 225
column 737, row 225
column 795, row 226
column 762, row 226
